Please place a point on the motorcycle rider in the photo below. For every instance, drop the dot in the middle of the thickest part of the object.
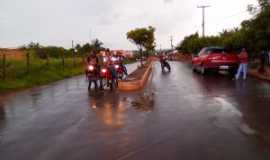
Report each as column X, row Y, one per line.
column 164, row 63
column 110, row 66
column 92, row 60
column 121, row 63
column 100, row 64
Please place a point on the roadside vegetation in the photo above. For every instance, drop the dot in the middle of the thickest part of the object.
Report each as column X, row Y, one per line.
column 44, row 64
column 144, row 39
column 17, row 76
column 253, row 34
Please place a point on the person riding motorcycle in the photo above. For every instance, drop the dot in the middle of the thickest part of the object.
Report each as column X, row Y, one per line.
column 112, row 81
column 164, row 63
column 121, row 63
column 92, row 71
column 100, row 64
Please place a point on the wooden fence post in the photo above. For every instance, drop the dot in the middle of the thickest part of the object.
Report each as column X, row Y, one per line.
column 47, row 59
column 4, row 66
column 28, row 62
column 83, row 59
column 63, row 59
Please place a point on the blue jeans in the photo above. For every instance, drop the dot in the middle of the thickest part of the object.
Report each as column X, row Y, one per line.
column 243, row 67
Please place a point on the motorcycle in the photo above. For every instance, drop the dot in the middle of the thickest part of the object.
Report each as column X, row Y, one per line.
column 165, row 65
column 106, row 74
column 91, row 74
column 120, row 70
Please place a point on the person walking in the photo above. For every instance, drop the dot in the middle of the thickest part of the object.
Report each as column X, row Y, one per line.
column 243, row 67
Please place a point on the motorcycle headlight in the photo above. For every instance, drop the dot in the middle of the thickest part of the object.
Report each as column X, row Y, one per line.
column 91, row 68
column 104, row 70
column 116, row 66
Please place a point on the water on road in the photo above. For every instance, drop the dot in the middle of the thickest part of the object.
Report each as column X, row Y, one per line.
column 192, row 117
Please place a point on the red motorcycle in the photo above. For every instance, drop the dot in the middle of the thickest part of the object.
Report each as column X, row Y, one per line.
column 107, row 75
column 91, row 74
column 120, row 70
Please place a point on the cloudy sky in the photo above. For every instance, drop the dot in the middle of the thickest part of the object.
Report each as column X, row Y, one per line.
column 58, row 22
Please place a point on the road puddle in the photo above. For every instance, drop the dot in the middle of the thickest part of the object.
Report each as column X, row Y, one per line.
column 247, row 130
column 144, row 102
column 227, row 107
column 229, row 110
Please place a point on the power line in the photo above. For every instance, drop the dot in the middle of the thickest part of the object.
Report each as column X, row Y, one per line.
column 228, row 17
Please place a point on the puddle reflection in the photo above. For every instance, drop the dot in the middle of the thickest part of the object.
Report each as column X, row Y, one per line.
column 2, row 113
column 110, row 111
column 2, row 119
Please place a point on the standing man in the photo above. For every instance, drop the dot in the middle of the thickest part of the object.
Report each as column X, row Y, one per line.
column 243, row 67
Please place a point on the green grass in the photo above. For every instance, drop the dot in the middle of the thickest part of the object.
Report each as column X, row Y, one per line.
column 129, row 61
column 40, row 73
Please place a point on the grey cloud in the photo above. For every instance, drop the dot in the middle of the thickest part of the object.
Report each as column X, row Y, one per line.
column 57, row 22
column 168, row 1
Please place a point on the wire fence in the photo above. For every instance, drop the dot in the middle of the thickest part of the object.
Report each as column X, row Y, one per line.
column 28, row 64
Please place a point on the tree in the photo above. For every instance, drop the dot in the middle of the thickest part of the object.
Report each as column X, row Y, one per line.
column 193, row 43
column 264, row 3
column 254, row 34
column 144, row 38
column 97, row 45
column 86, row 48
column 78, row 48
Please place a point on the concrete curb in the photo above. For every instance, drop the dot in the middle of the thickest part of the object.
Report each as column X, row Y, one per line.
column 135, row 85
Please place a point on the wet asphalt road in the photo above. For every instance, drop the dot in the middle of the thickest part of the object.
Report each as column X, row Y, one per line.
column 193, row 118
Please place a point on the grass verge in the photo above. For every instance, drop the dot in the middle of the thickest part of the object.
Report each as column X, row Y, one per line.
column 40, row 73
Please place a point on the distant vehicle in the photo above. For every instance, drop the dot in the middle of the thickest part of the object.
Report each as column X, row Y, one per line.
column 216, row 59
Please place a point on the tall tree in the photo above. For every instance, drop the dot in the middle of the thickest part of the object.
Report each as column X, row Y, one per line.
column 97, row 45
column 143, row 38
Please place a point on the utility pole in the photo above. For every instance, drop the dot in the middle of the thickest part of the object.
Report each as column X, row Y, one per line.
column 203, row 18
column 171, row 39
column 73, row 53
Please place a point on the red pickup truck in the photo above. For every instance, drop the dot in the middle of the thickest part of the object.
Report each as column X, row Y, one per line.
column 215, row 58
